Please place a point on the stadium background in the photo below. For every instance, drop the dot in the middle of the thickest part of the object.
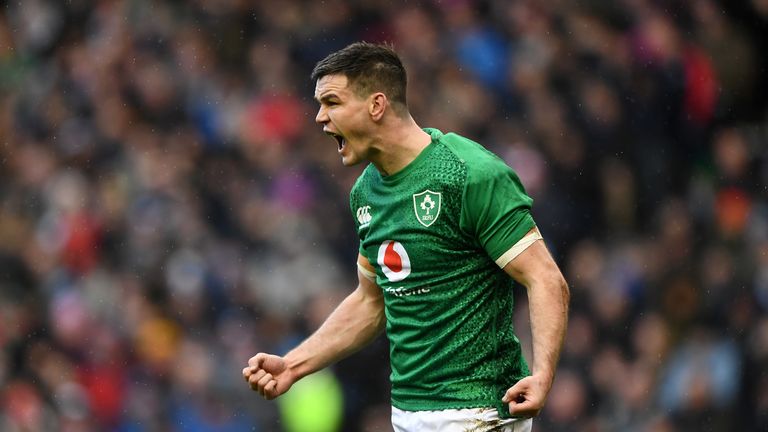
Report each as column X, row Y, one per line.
column 168, row 206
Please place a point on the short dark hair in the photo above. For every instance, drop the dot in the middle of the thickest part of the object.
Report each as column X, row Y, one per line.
column 369, row 67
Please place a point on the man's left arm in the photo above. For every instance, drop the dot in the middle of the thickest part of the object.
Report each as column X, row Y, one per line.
column 548, row 297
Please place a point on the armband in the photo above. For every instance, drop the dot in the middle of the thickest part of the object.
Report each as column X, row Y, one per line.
column 371, row 276
column 518, row 248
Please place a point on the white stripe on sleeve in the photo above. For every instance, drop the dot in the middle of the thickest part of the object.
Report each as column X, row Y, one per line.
column 518, row 248
column 371, row 276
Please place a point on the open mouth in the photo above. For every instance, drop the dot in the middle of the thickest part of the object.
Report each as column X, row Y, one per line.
column 340, row 140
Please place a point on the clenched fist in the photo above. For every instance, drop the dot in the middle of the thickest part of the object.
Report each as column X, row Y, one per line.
column 269, row 375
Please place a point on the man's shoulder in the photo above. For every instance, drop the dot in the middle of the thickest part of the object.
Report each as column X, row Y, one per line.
column 480, row 161
column 364, row 179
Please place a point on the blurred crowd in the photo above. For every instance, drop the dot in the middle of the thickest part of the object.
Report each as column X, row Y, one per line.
column 168, row 207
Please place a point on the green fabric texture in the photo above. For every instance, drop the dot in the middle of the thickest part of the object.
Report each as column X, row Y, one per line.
column 433, row 232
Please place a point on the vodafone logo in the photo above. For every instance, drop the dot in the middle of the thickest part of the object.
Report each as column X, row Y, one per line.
column 394, row 261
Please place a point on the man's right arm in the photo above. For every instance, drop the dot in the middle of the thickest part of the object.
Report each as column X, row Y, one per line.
column 357, row 320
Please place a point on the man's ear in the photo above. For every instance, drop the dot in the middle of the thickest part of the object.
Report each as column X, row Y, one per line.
column 378, row 106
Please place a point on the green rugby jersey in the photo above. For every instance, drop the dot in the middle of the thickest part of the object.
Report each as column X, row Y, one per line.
column 433, row 231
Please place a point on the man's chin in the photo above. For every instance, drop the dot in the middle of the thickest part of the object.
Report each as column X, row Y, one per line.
column 350, row 161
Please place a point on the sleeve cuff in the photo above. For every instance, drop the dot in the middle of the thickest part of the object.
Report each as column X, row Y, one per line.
column 371, row 276
column 517, row 249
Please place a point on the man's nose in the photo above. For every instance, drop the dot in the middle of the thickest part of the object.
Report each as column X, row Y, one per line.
column 322, row 116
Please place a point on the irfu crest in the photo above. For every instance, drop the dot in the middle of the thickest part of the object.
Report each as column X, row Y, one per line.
column 427, row 206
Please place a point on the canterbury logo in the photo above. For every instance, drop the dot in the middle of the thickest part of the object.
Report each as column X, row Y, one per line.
column 394, row 261
column 364, row 216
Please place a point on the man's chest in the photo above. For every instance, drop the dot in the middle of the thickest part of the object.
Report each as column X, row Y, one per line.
column 410, row 235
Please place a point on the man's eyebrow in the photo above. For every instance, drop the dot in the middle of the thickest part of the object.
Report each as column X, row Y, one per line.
column 326, row 97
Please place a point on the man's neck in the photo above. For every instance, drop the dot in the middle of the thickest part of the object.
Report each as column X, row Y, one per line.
column 399, row 146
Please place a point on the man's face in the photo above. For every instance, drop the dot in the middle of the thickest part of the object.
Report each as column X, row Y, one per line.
column 344, row 116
